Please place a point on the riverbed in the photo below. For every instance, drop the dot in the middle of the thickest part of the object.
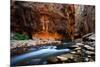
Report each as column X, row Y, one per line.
column 53, row 53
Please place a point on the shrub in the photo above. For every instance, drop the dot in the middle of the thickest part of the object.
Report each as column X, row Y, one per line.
column 18, row 36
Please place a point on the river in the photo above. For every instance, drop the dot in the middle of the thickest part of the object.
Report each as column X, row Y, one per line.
column 39, row 55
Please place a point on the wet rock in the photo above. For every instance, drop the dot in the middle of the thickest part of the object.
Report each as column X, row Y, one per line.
column 89, row 52
column 92, row 44
column 67, row 55
column 86, row 59
column 79, row 44
column 77, row 58
column 52, row 60
column 79, row 51
column 78, row 48
column 89, row 56
column 89, row 37
column 92, row 37
column 78, row 40
column 62, row 58
column 89, row 47
column 73, row 52
column 75, row 46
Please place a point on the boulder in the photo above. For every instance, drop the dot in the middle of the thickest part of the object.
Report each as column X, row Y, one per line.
column 90, row 52
column 89, row 37
column 52, row 60
column 61, row 58
column 89, row 47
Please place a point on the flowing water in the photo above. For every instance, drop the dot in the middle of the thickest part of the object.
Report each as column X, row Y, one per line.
column 39, row 55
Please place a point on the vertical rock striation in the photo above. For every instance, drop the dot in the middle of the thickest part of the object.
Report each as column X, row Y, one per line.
column 61, row 21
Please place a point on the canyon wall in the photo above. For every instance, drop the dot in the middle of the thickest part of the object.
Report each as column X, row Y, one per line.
column 65, row 21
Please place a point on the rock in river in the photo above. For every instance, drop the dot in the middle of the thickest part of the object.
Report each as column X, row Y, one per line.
column 89, row 47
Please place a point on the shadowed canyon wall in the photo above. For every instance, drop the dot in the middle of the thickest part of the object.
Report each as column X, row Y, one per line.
column 52, row 20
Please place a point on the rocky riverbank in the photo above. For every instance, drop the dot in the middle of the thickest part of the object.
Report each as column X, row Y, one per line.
column 81, row 50
column 36, row 42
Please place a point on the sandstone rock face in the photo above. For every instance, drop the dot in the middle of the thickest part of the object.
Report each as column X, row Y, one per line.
column 51, row 19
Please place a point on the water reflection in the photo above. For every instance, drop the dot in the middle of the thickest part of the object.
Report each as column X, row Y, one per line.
column 38, row 55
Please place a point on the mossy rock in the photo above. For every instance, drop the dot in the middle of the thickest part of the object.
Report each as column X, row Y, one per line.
column 18, row 36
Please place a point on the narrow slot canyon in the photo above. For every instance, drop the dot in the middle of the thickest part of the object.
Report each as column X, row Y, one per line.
column 50, row 33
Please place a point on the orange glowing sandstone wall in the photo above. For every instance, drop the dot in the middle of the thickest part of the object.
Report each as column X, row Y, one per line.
column 51, row 20
column 69, row 15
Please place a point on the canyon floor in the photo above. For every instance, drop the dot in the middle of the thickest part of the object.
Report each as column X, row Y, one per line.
column 79, row 50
